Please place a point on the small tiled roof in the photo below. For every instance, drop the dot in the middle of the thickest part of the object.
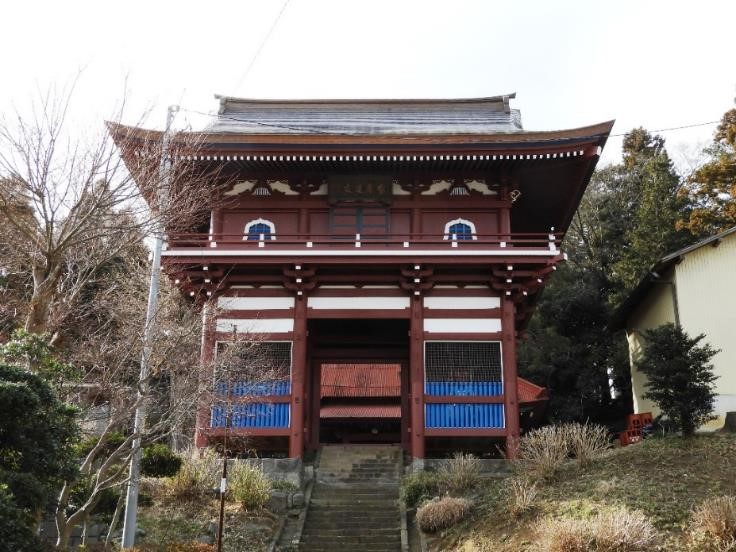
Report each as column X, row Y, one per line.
column 360, row 411
column 367, row 117
column 361, row 380
column 529, row 392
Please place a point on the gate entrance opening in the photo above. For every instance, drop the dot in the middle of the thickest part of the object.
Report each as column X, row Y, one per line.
column 359, row 381
column 360, row 403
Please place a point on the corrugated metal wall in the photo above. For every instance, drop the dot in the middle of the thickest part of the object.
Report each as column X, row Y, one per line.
column 255, row 414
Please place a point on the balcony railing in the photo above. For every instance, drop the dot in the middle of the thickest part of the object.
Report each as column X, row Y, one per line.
column 329, row 242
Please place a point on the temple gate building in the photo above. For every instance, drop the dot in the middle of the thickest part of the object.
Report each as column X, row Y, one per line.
column 387, row 255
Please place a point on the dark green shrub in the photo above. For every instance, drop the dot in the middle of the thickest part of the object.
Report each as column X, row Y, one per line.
column 158, row 460
column 82, row 490
column 419, row 486
column 680, row 376
column 16, row 526
column 112, row 442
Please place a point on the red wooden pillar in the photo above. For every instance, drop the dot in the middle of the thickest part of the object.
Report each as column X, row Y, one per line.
column 314, row 404
column 510, row 391
column 405, row 407
column 416, row 377
column 298, row 369
column 206, row 375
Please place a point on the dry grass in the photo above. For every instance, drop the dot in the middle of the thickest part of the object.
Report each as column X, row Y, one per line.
column 713, row 525
column 442, row 513
column 543, row 451
column 249, row 486
column 613, row 531
column 199, row 474
column 665, row 478
column 587, row 442
column 521, row 494
column 563, row 535
column 459, row 474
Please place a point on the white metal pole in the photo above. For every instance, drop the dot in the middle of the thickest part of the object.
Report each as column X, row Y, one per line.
column 131, row 499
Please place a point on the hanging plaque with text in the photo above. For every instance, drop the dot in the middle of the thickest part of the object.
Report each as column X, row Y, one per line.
column 351, row 187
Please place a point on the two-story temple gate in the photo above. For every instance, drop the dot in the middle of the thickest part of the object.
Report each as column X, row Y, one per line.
column 413, row 233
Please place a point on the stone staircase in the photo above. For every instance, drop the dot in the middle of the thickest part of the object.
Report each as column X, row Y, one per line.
column 355, row 500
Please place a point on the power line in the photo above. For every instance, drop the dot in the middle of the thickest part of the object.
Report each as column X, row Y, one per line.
column 263, row 43
column 671, row 128
column 315, row 131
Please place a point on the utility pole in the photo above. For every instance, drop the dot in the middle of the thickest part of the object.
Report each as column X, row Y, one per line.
column 131, row 499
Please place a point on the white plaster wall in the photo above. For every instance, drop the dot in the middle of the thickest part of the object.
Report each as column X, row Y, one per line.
column 462, row 325
column 255, row 325
column 446, row 303
column 255, row 303
column 368, row 303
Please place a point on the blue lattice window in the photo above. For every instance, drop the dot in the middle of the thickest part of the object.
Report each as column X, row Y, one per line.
column 260, row 227
column 460, row 229
column 461, row 232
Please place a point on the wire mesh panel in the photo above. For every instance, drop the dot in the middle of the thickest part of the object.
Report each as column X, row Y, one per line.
column 246, row 370
column 467, row 368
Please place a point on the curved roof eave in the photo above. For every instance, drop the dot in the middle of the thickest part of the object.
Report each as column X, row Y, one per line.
column 597, row 133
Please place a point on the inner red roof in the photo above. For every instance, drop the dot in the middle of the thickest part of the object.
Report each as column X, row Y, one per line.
column 361, row 380
column 384, row 380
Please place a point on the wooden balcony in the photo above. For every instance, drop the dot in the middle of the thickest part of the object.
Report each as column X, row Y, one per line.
column 357, row 245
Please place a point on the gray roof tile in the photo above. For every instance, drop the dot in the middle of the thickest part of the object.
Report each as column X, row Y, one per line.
column 367, row 117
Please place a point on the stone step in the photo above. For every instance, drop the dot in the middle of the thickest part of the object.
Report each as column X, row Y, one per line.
column 355, row 500
column 324, row 511
column 348, row 532
column 330, row 547
column 346, row 529
column 352, row 490
column 359, row 539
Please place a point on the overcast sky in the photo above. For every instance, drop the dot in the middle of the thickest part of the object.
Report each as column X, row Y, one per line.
column 658, row 64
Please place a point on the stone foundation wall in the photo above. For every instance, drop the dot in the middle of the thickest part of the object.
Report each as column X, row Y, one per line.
column 290, row 470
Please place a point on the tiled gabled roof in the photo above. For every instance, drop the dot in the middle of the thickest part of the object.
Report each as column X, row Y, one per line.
column 368, row 117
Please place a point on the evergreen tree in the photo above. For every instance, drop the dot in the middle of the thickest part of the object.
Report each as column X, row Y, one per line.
column 37, row 435
column 626, row 221
column 570, row 351
column 712, row 187
column 651, row 205
column 680, row 376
